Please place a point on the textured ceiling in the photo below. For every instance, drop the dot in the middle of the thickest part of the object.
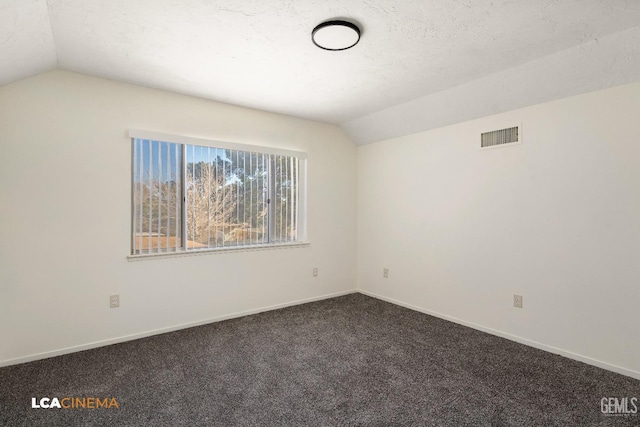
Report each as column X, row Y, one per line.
column 259, row 53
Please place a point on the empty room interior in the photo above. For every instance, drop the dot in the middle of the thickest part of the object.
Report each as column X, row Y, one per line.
column 329, row 212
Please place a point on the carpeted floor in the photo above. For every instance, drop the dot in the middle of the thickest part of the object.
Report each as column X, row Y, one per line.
column 347, row 361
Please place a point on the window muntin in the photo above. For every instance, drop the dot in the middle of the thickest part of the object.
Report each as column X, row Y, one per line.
column 214, row 197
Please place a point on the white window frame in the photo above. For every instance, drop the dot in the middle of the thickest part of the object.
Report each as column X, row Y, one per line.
column 187, row 140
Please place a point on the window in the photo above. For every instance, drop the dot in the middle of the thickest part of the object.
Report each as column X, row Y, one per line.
column 193, row 195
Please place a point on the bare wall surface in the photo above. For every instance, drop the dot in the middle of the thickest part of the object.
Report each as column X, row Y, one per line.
column 65, row 207
column 554, row 219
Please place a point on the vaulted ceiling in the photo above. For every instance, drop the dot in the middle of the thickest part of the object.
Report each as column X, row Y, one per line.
column 419, row 64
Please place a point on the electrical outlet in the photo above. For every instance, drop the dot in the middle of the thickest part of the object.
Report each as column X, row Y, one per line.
column 114, row 301
column 517, row 301
column 385, row 273
column 315, row 271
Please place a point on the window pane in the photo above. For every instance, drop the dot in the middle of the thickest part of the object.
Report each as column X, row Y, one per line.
column 248, row 183
column 231, row 197
column 211, row 196
column 285, row 176
column 156, row 196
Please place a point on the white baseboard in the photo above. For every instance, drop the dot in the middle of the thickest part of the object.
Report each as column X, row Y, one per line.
column 588, row 360
column 131, row 337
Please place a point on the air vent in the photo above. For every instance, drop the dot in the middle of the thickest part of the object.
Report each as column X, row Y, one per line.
column 500, row 137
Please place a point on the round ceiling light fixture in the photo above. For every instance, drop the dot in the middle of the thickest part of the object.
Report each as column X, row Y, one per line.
column 336, row 35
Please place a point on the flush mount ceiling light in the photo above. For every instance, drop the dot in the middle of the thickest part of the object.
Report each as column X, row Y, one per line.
column 335, row 35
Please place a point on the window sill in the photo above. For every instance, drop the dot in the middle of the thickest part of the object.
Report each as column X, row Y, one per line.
column 216, row 251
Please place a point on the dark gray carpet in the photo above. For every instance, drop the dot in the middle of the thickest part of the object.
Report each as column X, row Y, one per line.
column 352, row 360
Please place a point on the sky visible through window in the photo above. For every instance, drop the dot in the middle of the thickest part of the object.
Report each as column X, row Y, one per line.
column 163, row 159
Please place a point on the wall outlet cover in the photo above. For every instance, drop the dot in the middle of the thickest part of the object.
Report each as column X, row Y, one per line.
column 114, row 301
column 517, row 301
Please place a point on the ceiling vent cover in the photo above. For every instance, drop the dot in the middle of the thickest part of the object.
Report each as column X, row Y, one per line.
column 500, row 137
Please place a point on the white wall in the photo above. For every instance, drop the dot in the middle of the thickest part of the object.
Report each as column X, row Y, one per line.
column 65, row 217
column 555, row 219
